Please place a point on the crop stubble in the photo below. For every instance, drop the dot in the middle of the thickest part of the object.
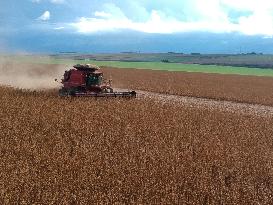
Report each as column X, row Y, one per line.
column 55, row 150
column 246, row 89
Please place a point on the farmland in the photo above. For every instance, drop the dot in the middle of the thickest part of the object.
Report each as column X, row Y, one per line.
column 57, row 150
column 139, row 151
column 191, row 65
column 247, row 89
column 236, row 88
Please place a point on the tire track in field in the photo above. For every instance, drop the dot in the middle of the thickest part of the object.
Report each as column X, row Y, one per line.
column 205, row 103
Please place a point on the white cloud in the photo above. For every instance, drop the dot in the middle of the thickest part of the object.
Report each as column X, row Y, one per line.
column 45, row 16
column 210, row 10
column 212, row 17
column 248, row 5
column 59, row 28
column 258, row 23
column 102, row 14
column 52, row 1
column 57, row 1
column 155, row 24
column 114, row 11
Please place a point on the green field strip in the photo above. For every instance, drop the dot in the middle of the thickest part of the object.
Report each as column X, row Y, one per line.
column 179, row 67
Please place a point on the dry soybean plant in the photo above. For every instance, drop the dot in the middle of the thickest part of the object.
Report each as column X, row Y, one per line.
column 83, row 151
column 247, row 89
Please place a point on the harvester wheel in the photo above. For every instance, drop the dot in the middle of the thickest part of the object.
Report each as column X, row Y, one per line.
column 66, row 92
column 72, row 93
column 63, row 92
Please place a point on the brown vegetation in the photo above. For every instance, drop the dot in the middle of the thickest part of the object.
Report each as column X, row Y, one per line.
column 249, row 89
column 85, row 151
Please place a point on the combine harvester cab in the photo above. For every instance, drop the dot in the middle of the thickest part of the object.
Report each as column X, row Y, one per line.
column 87, row 81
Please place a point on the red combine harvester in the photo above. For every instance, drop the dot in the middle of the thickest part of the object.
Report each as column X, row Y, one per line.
column 87, row 80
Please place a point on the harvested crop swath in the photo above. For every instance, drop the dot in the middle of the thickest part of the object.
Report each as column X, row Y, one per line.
column 66, row 150
column 249, row 89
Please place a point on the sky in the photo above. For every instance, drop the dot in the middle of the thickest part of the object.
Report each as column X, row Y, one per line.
column 27, row 22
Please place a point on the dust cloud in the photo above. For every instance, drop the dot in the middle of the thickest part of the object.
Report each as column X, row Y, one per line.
column 30, row 76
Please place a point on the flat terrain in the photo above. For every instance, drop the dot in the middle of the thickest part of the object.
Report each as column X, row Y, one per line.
column 236, row 88
column 66, row 151
column 156, row 149
column 211, row 104
column 246, row 89
column 151, row 65
column 253, row 60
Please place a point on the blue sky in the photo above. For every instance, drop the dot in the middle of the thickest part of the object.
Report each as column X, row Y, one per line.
column 162, row 17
